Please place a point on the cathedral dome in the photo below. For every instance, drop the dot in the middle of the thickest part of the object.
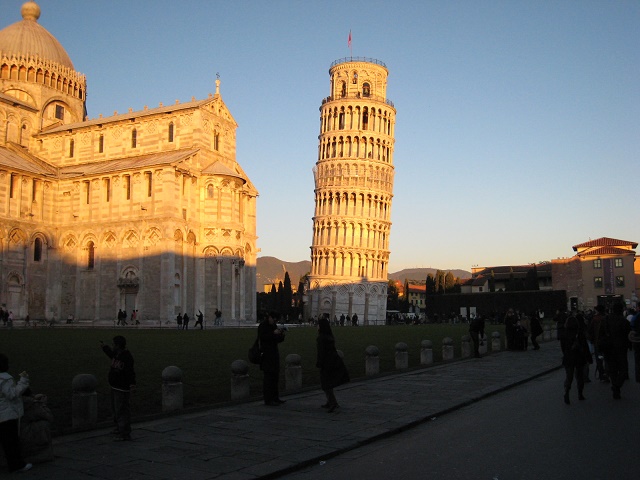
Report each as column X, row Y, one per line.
column 27, row 37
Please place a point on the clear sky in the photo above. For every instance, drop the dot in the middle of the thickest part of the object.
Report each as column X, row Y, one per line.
column 517, row 128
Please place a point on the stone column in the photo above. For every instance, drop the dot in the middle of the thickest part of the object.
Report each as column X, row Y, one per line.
column 495, row 342
column 546, row 334
column 465, row 348
column 372, row 360
column 239, row 380
column 293, row 372
column 402, row 356
column 84, row 401
column 483, row 345
column 447, row 349
column 172, row 391
column 426, row 352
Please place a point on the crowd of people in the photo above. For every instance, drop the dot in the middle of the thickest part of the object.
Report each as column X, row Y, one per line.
column 601, row 338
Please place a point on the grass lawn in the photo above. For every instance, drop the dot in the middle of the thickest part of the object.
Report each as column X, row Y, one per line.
column 53, row 356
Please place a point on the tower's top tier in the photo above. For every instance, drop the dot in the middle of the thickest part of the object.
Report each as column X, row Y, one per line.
column 359, row 77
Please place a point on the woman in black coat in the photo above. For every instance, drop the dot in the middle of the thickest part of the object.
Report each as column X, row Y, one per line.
column 576, row 354
column 333, row 372
column 270, row 336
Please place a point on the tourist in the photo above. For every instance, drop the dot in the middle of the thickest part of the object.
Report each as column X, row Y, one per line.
column 536, row 330
column 510, row 321
column 179, row 321
column 615, row 331
column 218, row 315
column 185, row 321
column 270, row 336
column 333, row 372
column 575, row 354
column 593, row 331
column 11, row 409
column 122, row 379
column 476, row 331
column 199, row 320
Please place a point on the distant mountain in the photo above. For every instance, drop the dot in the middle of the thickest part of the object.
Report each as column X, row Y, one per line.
column 271, row 270
column 421, row 274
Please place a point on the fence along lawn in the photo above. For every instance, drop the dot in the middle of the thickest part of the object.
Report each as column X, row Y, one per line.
column 53, row 356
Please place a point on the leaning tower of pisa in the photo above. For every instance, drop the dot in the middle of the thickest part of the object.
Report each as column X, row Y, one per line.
column 353, row 190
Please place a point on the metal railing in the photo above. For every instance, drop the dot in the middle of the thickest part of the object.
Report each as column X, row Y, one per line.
column 357, row 59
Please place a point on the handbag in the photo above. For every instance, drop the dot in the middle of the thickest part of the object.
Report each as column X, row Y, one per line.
column 255, row 353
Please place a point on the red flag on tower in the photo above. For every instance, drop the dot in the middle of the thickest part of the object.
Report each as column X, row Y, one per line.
column 349, row 39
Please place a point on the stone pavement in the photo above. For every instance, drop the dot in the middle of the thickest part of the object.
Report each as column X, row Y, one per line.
column 251, row 440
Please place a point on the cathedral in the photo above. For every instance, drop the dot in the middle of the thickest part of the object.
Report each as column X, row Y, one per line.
column 145, row 210
column 353, row 178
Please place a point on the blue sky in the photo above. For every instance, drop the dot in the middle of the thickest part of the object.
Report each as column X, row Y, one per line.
column 517, row 128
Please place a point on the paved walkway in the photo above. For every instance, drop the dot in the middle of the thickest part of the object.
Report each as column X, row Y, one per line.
column 250, row 440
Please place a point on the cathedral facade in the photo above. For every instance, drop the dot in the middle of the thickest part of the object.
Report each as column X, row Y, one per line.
column 353, row 178
column 146, row 210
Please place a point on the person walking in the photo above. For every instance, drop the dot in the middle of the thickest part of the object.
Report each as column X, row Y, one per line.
column 185, row 321
column 179, row 321
column 536, row 330
column 576, row 354
column 476, row 331
column 218, row 316
column 122, row 379
column 333, row 371
column 270, row 336
column 593, row 334
column 199, row 320
column 11, row 409
column 614, row 342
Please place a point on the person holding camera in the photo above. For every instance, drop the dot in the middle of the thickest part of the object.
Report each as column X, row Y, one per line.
column 11, row 409
column 270, row 336
column 122, row 379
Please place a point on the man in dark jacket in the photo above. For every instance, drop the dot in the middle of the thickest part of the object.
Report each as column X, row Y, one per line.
column 122, row 379
column 617, row 328
column 270, row 336
column 476, row 331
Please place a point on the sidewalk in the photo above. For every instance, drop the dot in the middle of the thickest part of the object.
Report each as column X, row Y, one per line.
column 250, row 440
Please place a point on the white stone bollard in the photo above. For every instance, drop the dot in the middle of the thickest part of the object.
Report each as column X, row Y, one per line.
column 402, row 356
column 172, row 389
column 546, row 334
column 240, row 386
column 447, row 349
column 484, row 345
column 84, row 401
column 426, row 352
column 372, row 360
column 293, row 372
column 496, row 344
column 465, row 347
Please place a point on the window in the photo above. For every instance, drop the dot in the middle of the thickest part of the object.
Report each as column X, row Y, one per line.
column 91, row 251
column 617, row 262
column 12, row 180
column 87, row 191
column 620, row 281
column 149, row 177
column 171, row 132
column 597, row 264
column 366, row 90
column 101, row 144
column 216, row 141
column 59, row 112
column 37, row 250
column 127, row 186
column 597, row 282
column 34, row 191
column 134, row 138
column 210, row 191
column 72, row 144
column 107, row 189
column 343, row 89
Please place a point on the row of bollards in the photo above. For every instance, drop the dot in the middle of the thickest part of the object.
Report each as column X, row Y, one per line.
column 85, row 399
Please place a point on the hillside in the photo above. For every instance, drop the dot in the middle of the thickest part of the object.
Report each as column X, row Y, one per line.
column 421, row 274
column 271, row 270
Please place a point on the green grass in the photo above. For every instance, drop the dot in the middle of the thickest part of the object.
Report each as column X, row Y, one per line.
column 54, row 356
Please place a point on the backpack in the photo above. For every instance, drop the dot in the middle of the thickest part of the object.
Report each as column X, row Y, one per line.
column 255, row 353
